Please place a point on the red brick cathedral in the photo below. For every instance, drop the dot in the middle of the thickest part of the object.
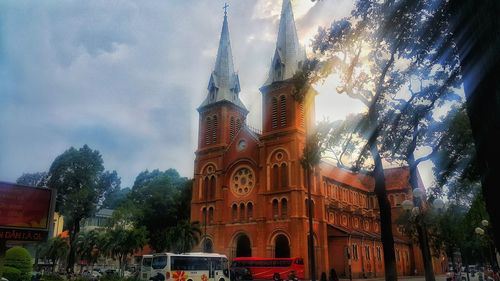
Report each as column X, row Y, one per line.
column 249, row 190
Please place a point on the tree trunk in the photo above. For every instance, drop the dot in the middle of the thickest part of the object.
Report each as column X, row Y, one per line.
column 310, row 238
column 3, row 249
column 423, row 237
column 72, row 251
column 385, row 215
column 477, row 40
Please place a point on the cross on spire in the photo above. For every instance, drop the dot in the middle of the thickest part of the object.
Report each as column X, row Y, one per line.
column 225, row 9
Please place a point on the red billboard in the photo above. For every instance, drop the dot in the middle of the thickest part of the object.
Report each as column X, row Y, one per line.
column 25, row 212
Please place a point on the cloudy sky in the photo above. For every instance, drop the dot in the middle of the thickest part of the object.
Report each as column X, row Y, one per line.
column 126, row 77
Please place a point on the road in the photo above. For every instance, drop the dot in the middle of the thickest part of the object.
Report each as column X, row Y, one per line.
column 419, row 278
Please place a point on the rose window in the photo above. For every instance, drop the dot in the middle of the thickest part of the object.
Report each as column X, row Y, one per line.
column 242, row 181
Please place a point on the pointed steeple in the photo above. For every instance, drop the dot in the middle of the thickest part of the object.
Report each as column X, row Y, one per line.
column 224, row 83
column 288, row 54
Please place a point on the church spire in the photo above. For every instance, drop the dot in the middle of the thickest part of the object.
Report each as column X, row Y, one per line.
column 288, row 55
column 224, row 83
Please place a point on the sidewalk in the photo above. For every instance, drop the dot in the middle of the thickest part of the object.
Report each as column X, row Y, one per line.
column 407, row 278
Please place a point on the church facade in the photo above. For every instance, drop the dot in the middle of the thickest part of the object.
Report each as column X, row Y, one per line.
column 249, row 190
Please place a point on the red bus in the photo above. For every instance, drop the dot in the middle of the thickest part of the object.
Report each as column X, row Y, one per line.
column 265, row 268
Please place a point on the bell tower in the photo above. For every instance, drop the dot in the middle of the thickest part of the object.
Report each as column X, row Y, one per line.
column 222, row 113
column 282, row 112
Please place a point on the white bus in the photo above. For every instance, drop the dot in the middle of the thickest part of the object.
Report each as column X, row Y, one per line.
column 146, row 262
column 189, row 267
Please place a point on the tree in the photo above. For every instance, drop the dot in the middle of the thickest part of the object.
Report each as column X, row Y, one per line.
column 87, row 246
column 55, row 249
column 379, row 49
column 183, row 237
column 115, row 198
column 81, row 183
column 119, row 242
column 474, row 30
column 159, row 200
column 455, row 167
column 33, row 179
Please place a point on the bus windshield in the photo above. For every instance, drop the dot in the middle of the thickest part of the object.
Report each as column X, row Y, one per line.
column 159, row 262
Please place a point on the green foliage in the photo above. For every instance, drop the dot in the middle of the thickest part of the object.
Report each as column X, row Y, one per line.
column 79, row 278
column 115, row 198
column 119, row 242
column 183, row 237
column 313, row 149
column 455, row 165
column 51, row 277
column 19, row 258
column 33, row 179
column 54, row 249
column 87, row 245
column 82, row 184
column 11, row 273
column 112, row 277
column 154, row 191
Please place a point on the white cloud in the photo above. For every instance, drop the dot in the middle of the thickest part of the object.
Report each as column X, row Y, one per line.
column 126, row 78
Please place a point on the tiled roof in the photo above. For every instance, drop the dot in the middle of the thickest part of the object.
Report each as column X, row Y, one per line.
column 395, row 178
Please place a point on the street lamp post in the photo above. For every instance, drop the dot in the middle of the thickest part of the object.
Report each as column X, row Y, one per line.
column 418, row 212
column 481, row 232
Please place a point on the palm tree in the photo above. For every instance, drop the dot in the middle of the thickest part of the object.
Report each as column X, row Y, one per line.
column 55, row 249
column 87, row 246
column 120, row 242
column 183, row 237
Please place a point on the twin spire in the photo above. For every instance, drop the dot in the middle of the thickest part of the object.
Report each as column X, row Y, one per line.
column 288, row 55
column 224, row 83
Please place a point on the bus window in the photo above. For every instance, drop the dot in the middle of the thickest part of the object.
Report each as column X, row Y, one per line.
column 146, row 262
column 159, row 262
column 188, row 263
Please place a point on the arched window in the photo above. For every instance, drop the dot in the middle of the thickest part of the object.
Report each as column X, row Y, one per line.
column 212, row 188
column 275, row 208
column 238, row 124
column 205, row 188
column 275, row 177
column 214, row 131
column 242, row 212
column 208, row 132
column 210, row 215
column 234, row 212
column 283, row 111
column 274, row 113
column 250, row 211
column 307, row 208
column 204, row 215
column 302, row 114
column 284, row 208
column 278, row 71
column 231, row 128
column 284, row 175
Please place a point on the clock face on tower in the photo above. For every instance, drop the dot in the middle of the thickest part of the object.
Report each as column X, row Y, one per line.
column 242, row 145
column 242, row 181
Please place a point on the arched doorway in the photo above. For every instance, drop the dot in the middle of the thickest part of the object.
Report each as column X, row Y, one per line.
column 243, row 247
column 281, row 247
column 208, row 246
